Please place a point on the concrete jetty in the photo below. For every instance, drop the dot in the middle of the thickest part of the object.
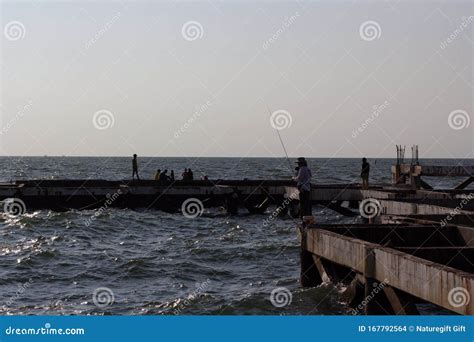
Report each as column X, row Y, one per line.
column 253, row 195
column 417, row 246
column 390, row 268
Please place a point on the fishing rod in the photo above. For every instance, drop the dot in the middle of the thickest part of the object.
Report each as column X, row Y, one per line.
column 281, row 142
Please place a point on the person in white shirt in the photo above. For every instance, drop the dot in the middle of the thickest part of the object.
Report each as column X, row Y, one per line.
column 303, row 182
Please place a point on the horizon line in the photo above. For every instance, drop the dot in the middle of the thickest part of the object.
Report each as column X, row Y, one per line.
column 234, row 157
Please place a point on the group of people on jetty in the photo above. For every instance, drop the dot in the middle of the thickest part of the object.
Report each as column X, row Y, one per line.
column 163, row 176
column 302, row 178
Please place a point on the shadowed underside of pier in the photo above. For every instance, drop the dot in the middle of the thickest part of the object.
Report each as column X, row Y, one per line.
column 388, row 269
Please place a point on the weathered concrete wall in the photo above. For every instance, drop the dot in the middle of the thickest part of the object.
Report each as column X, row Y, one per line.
column 407, row 208
column 424, row 279
column 421, row 278
column 436, row 171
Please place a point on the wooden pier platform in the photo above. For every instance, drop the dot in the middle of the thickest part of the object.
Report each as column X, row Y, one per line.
column 390, row 268
column 254, row 195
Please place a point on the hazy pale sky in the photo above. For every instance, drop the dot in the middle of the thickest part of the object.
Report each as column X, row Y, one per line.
column 172, row 78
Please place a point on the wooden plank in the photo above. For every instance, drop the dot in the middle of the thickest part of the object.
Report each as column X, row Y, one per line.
column 427, row 280
column 399, row 304
column 322, row 271
column 391, row 207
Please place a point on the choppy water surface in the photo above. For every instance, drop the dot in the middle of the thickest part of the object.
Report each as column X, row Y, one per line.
column 161, row 263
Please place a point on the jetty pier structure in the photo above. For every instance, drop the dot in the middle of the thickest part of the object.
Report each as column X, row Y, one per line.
column 416, row 247
column 254, row 196
column 60, row 195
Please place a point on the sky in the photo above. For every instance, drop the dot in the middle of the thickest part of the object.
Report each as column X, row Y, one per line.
column 219, row 78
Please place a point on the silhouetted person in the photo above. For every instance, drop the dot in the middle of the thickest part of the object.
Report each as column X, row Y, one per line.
column 157, row 175
column 164, row 176
column 303, row 182
column 364, row 173
column 190, row 174
column 135, row 167
column 184, row 175
column 172, row 175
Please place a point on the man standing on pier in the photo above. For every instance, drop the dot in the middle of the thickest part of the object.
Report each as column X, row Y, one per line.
column 135, row 167
column 364, row 173
column 303, row 182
